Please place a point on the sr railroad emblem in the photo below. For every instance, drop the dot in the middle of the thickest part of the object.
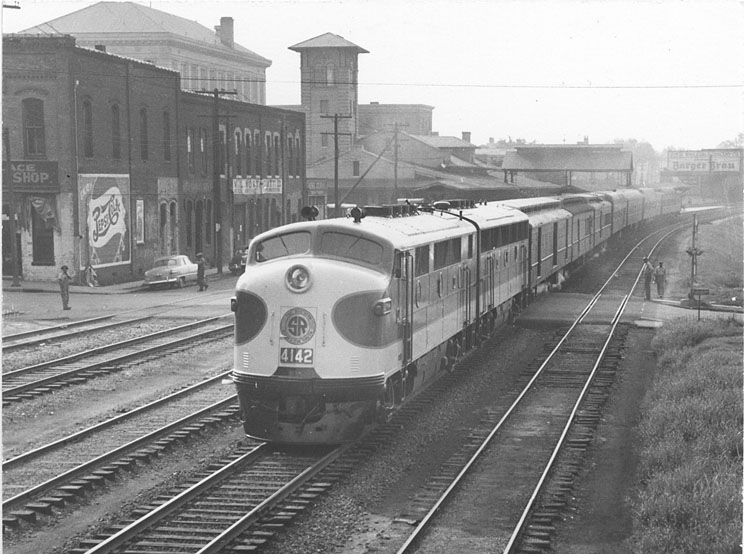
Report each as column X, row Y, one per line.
column 297, row 326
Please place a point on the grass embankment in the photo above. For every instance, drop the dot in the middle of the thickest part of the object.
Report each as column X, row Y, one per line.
column 689, row 497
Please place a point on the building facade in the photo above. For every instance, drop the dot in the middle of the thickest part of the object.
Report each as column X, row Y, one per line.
column 111, row 164
column 205, row 59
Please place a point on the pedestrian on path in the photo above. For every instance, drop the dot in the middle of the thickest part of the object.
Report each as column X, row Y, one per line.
column 201, row 278
column 660, row 279
column 648, row 277
column 64, row 279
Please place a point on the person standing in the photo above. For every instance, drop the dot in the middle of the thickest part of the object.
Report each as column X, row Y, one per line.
column 64, row 279
column 201, row 278
column 660, row 279
column 648, row 277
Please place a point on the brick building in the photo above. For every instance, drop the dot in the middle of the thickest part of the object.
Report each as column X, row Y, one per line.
column 113, row 165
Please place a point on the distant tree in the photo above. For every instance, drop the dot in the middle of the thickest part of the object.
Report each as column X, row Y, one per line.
column 738, row 142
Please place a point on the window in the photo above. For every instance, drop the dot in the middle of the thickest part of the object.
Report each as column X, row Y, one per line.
column 324, row 139
column 208, row 223
column 355, row 168
column 291, row 162
column 190, row 150
column 189, row 223
column 248, row 155
column 223, row 152
column 144, row 142
column 324, row 106
column 299, row 157
column 267, row 142
column 203, row 157
column 34, row 144
column 166, row 137
column 277, row 152
column 257, row 149
column 87, row 129
column 238, row 153
column 422, row 261
column 283, row 245
column 446, row 253
column 351, row 247
column 330, row 75
column 115, row 132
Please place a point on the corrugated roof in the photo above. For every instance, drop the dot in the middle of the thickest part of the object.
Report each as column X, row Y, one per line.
column 564, row 158
column 328, row 40
column 130, row 17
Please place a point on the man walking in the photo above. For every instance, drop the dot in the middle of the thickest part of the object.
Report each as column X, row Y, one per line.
column 201, row 278
column 648, row 277
column 64, row 279
column 660, row 278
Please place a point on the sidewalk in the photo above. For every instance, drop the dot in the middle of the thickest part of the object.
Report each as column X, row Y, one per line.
column 120, row 288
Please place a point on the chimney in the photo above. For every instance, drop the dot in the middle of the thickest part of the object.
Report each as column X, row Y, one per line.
column 466, row 136
column 225, row 30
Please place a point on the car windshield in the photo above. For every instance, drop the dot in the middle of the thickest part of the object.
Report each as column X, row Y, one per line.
column 283, row 245
column 352, row 247
column 166, row 262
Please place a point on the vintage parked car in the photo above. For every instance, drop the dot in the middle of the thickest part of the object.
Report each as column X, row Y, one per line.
column 171, row 270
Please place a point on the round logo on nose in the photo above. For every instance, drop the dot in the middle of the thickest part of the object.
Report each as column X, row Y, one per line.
column 297, row 326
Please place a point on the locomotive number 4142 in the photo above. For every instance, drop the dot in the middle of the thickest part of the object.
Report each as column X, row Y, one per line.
column 296, row 355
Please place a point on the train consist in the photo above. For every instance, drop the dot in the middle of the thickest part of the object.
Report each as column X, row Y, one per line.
column 338, row 322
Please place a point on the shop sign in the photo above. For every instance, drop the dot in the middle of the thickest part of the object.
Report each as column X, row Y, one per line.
column 257, row 186
column 34, row 176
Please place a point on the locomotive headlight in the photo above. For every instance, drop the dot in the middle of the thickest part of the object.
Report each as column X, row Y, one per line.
column 383, row 307
column 298, row 278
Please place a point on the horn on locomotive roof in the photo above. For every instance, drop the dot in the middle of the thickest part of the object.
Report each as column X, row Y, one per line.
column 309, row 213
column 357, row 214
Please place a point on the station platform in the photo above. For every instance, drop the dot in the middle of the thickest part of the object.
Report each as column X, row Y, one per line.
column 556, row 309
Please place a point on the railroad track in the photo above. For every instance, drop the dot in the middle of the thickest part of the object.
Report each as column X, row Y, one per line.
column 552, row 419
column 48, row 476
column 58, row 333
column 237, row 505
column 32, row 381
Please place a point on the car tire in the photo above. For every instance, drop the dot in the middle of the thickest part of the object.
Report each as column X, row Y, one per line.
column 181, row 282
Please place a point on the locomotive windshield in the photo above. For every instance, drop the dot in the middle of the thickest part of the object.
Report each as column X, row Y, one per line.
column 351, row 247
column 287, row 244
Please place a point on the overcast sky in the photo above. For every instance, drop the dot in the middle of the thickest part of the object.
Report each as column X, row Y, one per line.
column 668, row 72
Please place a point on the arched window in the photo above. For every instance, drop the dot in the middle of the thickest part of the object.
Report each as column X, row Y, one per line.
column 257, row 149
column 208, row 222
column 87, row 129
column 238, row 153
column 203, row 157
column 115, row 132
column 269, row 153
column 32, row 114
column 290, row 156
column 277, row 154
column 166, row 136
column 189, row 223
column 300, row 161
column 144, row 141
column 248, row 155
column 190, row 154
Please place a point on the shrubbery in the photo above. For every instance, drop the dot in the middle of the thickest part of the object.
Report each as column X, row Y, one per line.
column 690, row 494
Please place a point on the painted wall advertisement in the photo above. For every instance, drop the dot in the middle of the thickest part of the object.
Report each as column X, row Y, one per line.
column 103, row 208
column 705, row 161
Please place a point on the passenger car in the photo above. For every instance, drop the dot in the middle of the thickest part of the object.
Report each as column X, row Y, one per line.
column 172, row 270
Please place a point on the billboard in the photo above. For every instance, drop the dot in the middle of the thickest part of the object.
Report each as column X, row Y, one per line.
column 705, row 161
column 103, row 209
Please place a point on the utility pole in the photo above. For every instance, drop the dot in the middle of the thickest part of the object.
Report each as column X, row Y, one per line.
column 12, row 210
column 216, row 185
column 396, row 144
column 336, row 207
column 693, row 252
